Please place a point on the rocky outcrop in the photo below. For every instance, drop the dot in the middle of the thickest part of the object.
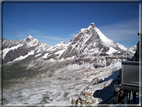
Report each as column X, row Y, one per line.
column 86, row 99
column 92, row 24
column 96, row 81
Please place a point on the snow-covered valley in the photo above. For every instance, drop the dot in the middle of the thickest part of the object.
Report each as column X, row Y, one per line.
column 65, row 84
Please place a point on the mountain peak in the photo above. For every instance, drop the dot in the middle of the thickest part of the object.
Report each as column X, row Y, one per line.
column 62, row 42
column 30, row 36
column 92, row 24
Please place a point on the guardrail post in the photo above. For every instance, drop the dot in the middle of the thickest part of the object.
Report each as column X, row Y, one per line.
column 125, row 97
column 134, row 97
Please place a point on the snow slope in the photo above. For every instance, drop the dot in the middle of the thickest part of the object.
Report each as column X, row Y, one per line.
column 105, row 40
column 121, row 47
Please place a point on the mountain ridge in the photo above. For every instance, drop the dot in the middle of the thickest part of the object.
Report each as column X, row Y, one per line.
column 88, row 40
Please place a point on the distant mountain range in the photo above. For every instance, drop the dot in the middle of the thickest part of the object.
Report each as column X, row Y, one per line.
column 89, row 42
column 88, row 53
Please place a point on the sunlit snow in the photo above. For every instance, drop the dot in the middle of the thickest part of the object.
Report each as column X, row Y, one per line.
column 45, row 55
column 121, row 47
column 111, row 50
column 105, row 40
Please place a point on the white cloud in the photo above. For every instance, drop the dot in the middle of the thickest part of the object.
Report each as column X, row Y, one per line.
column 32, row 31
column 126, row 30
column 21, row 34
column 26, row 33
column 51, row 37
column 52, row 40
column 72, row 35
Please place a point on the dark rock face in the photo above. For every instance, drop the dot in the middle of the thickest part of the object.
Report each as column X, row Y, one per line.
column 76, row 38
column 13, row 54
column 93, row 25
column 28, row 40
column 10, row 43
column 105, row 49
column 23, row 48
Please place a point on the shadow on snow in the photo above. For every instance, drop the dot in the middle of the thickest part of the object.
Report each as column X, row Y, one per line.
column 107, row 92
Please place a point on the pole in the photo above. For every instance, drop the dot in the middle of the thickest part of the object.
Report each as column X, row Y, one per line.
column 140, row 31
column 134, row 97
column 125, row 97
column 140, row 50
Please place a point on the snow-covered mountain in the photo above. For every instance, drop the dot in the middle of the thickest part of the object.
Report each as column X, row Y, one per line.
column 88, row 42
column 88, row 58
column 132, row 49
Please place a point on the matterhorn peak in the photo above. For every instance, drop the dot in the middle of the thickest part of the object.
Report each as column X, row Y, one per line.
column 92, row 24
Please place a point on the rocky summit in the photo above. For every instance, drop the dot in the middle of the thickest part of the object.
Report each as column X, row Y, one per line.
column 37, row 73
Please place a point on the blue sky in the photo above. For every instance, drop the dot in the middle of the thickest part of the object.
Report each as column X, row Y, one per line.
column 53, row 23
